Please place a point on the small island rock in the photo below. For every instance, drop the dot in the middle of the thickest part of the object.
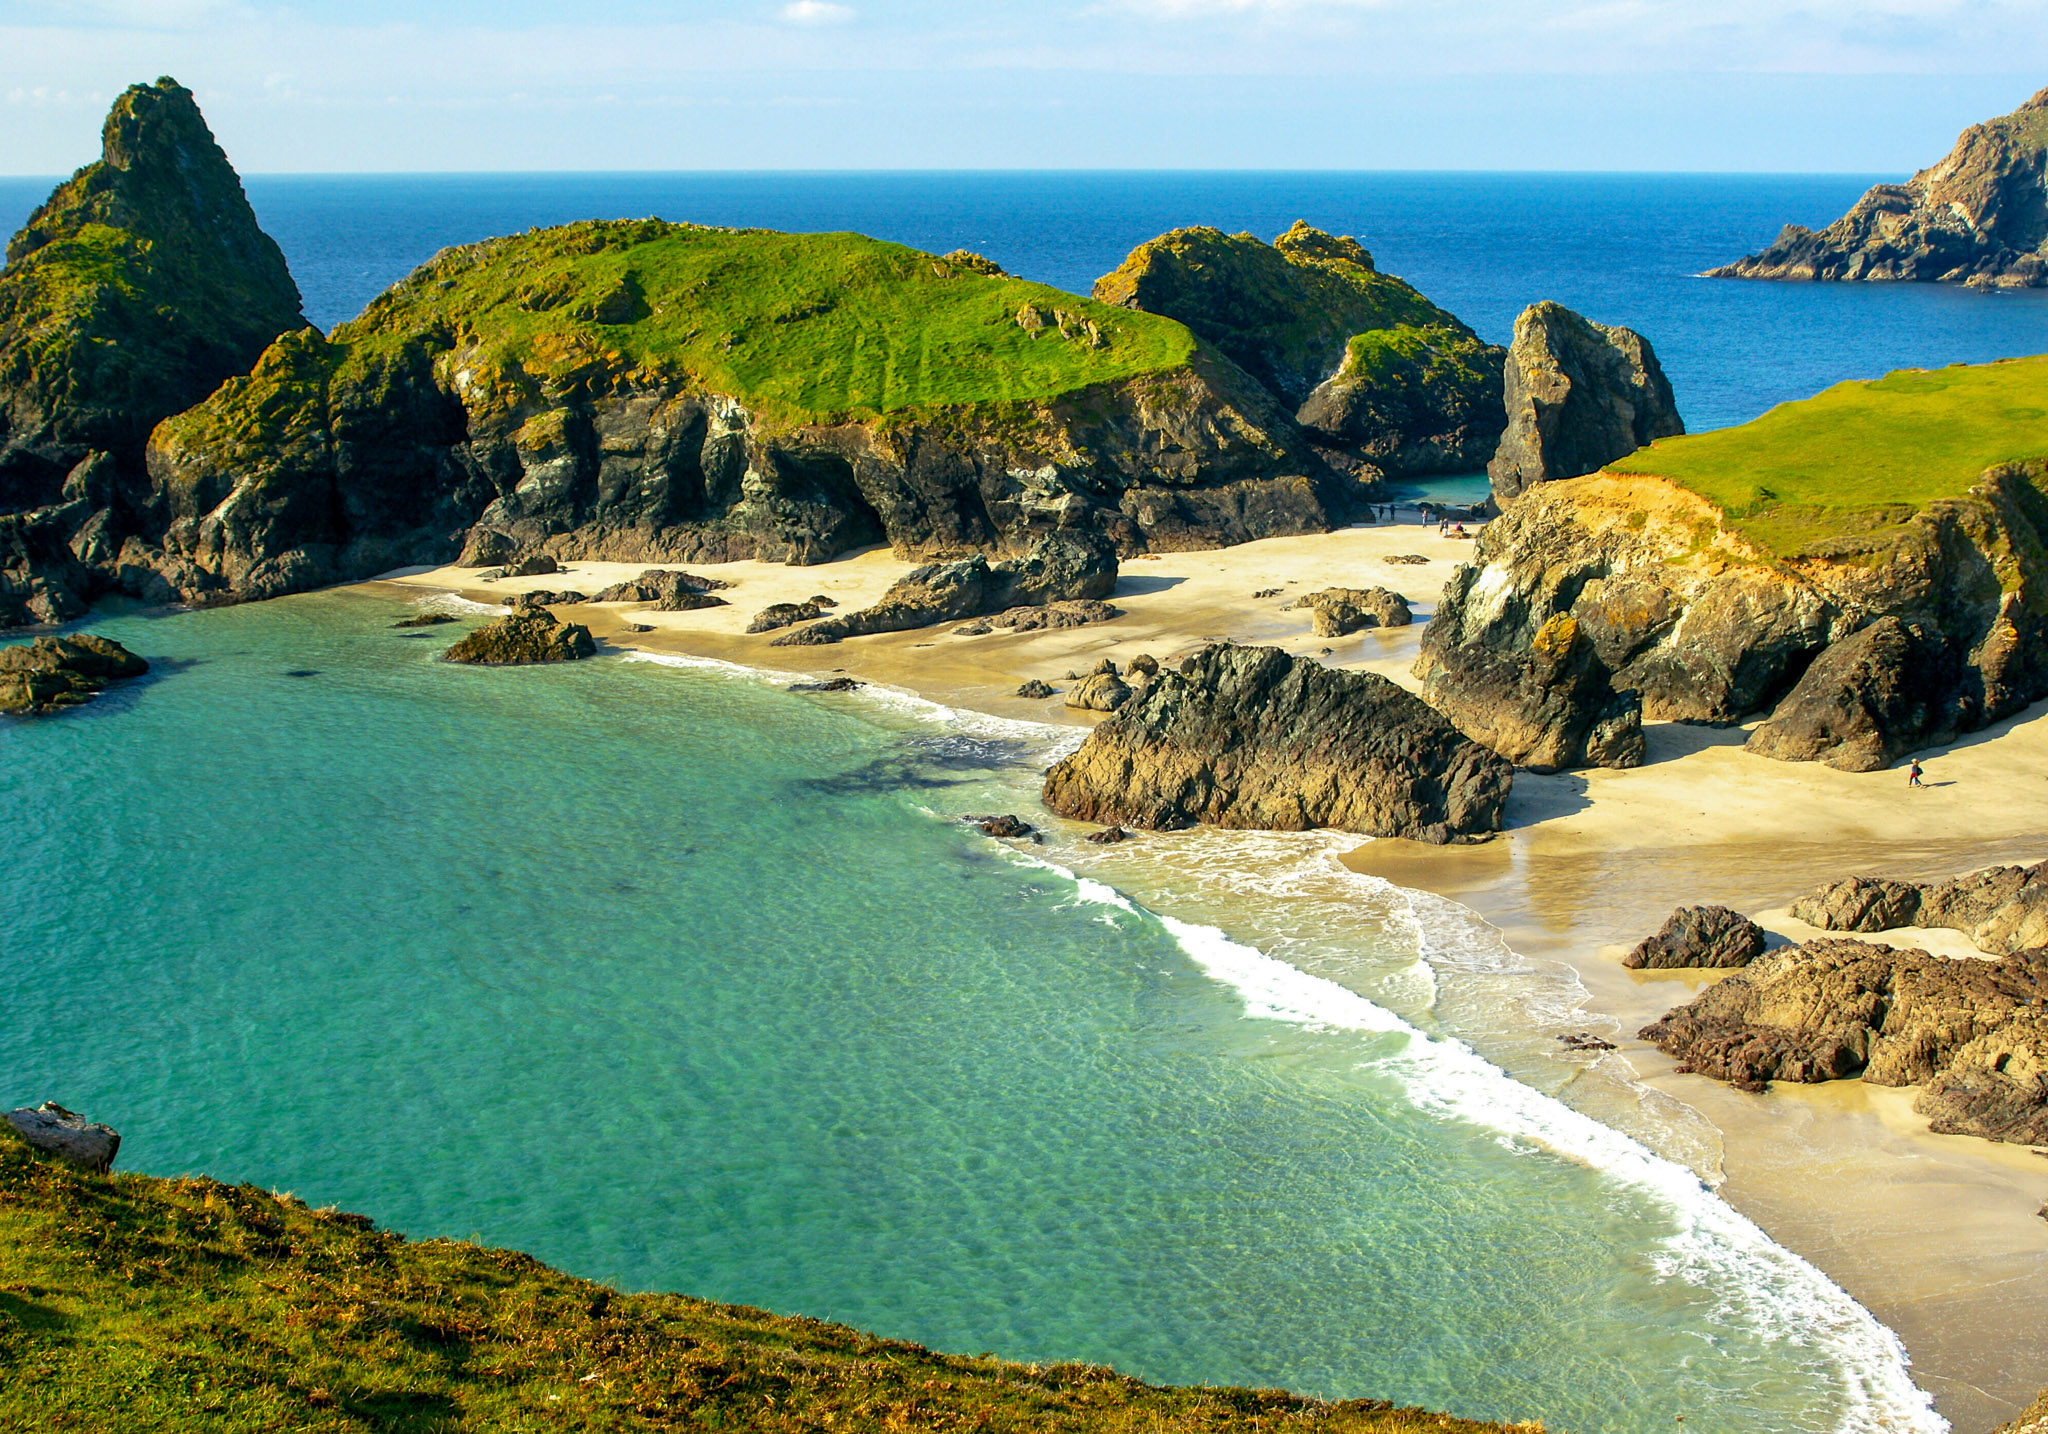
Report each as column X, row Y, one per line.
column 57, row 672
column 528, row 636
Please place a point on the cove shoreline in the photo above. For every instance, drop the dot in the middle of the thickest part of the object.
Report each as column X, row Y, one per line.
column 1936, row 1235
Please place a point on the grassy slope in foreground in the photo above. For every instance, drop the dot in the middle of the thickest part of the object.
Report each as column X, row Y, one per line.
column 803, row 327
column 1831, row 474
column 133, row 1303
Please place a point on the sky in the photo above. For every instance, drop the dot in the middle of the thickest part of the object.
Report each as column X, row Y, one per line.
column 1841, row 86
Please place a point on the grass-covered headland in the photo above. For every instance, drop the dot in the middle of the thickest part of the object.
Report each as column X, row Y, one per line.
column 1862, row 457
column 134, row 1303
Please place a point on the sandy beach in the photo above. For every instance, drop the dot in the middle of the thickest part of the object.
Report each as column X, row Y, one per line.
column 1938, row 1236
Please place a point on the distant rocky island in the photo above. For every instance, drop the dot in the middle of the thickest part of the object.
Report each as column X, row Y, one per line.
column 1979, row 217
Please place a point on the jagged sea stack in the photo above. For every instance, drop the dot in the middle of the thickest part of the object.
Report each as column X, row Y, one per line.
column 1579, row 395
column 1979, row 217
column 139, row 285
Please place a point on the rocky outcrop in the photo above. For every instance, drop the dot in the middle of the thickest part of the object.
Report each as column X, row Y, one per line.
column 2032, row 1420
column 668, row 591
column 528, row 636
column 1036, row 687
column 1377, row 373
column 1061, row 567
column 1549, row 705
column 718, row 419
column 778, row 615
column 1339, row 612
column 69, row 1136
column 1252, row 737
column 139, row 285
column 1671, row 603
column 53, row 673
column 1833, row 1009
column 1699, row 936
column 1979, row 217
column 1053, row 616
column 1579, row 395
column 2003, row 909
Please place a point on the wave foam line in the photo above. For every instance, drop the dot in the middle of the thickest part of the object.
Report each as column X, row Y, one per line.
column 1716, row 1247
column 1057, row 740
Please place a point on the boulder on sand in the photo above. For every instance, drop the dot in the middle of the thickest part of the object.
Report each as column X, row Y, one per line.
column 1252, row 737
column 1699, row 936
column 2003, row 909
column 670, row 590
column 1339, row 612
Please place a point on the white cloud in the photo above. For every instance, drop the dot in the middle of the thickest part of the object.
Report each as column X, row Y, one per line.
column 816, row 12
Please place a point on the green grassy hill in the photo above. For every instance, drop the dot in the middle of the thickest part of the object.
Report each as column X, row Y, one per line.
column 1846, row 466
column 804, row 327
column 132, row 1303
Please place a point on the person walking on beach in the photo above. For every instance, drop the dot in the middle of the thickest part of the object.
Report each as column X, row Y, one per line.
column 1913, row 773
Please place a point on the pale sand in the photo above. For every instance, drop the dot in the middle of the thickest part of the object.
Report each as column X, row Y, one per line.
column 1936, row 1235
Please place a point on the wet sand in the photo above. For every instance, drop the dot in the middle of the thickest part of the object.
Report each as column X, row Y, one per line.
column 1936, row 1235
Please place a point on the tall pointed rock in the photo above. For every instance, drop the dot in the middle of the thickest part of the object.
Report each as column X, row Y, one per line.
column 139, row 285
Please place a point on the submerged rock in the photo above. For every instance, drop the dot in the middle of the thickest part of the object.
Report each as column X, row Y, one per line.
column 1699, row 936
column 69, row 1136
column 425, row 619
column 1063, row 566
column 1579, row 395
column 1007, row 827
column 830, row 684
column 52, row 673
column 1979, row 217
column 1252, row 737
column 1833, row 1009
column 2002, row 909
column 1109, row 836
column 530, row 635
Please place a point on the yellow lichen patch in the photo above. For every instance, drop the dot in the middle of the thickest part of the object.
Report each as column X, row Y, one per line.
column 1556, row 636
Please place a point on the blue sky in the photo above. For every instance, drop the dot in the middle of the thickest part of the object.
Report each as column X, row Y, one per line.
column 1837, row 85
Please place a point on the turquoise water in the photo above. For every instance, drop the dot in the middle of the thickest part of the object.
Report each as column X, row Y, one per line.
column 682, row 981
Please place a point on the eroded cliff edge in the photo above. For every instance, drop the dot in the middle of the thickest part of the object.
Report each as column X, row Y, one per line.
column 1847, row 567
column 1979, row 217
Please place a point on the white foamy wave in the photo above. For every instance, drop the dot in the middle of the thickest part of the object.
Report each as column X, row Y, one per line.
column 455, row 602
column 1754, row 1281
column 1046, row 742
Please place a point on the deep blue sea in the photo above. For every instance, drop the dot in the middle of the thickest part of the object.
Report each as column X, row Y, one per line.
column 683, row 981
column 1620, row 248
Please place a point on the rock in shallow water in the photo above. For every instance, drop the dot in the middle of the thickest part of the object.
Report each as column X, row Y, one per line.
column 1251, row 737
column 52, row 673
column 69, row 1136
column 1699, row 936
column 528, row 636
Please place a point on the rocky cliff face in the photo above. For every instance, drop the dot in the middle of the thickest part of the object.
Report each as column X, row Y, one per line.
column 1978, row 217
column 1673, row 605
column 665, row 393
column 1578, row 396
column 1251, row 737
column 130, row 294
column 1386, row 380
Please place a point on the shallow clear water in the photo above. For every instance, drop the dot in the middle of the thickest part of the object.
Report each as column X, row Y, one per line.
column 683, row 981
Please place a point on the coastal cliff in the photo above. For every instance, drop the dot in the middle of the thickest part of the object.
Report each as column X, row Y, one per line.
column 1384, row 380
column 644, row 391
column 139, row 285
column 1848, row 565
column 1979, row 217
column 122, row 1286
